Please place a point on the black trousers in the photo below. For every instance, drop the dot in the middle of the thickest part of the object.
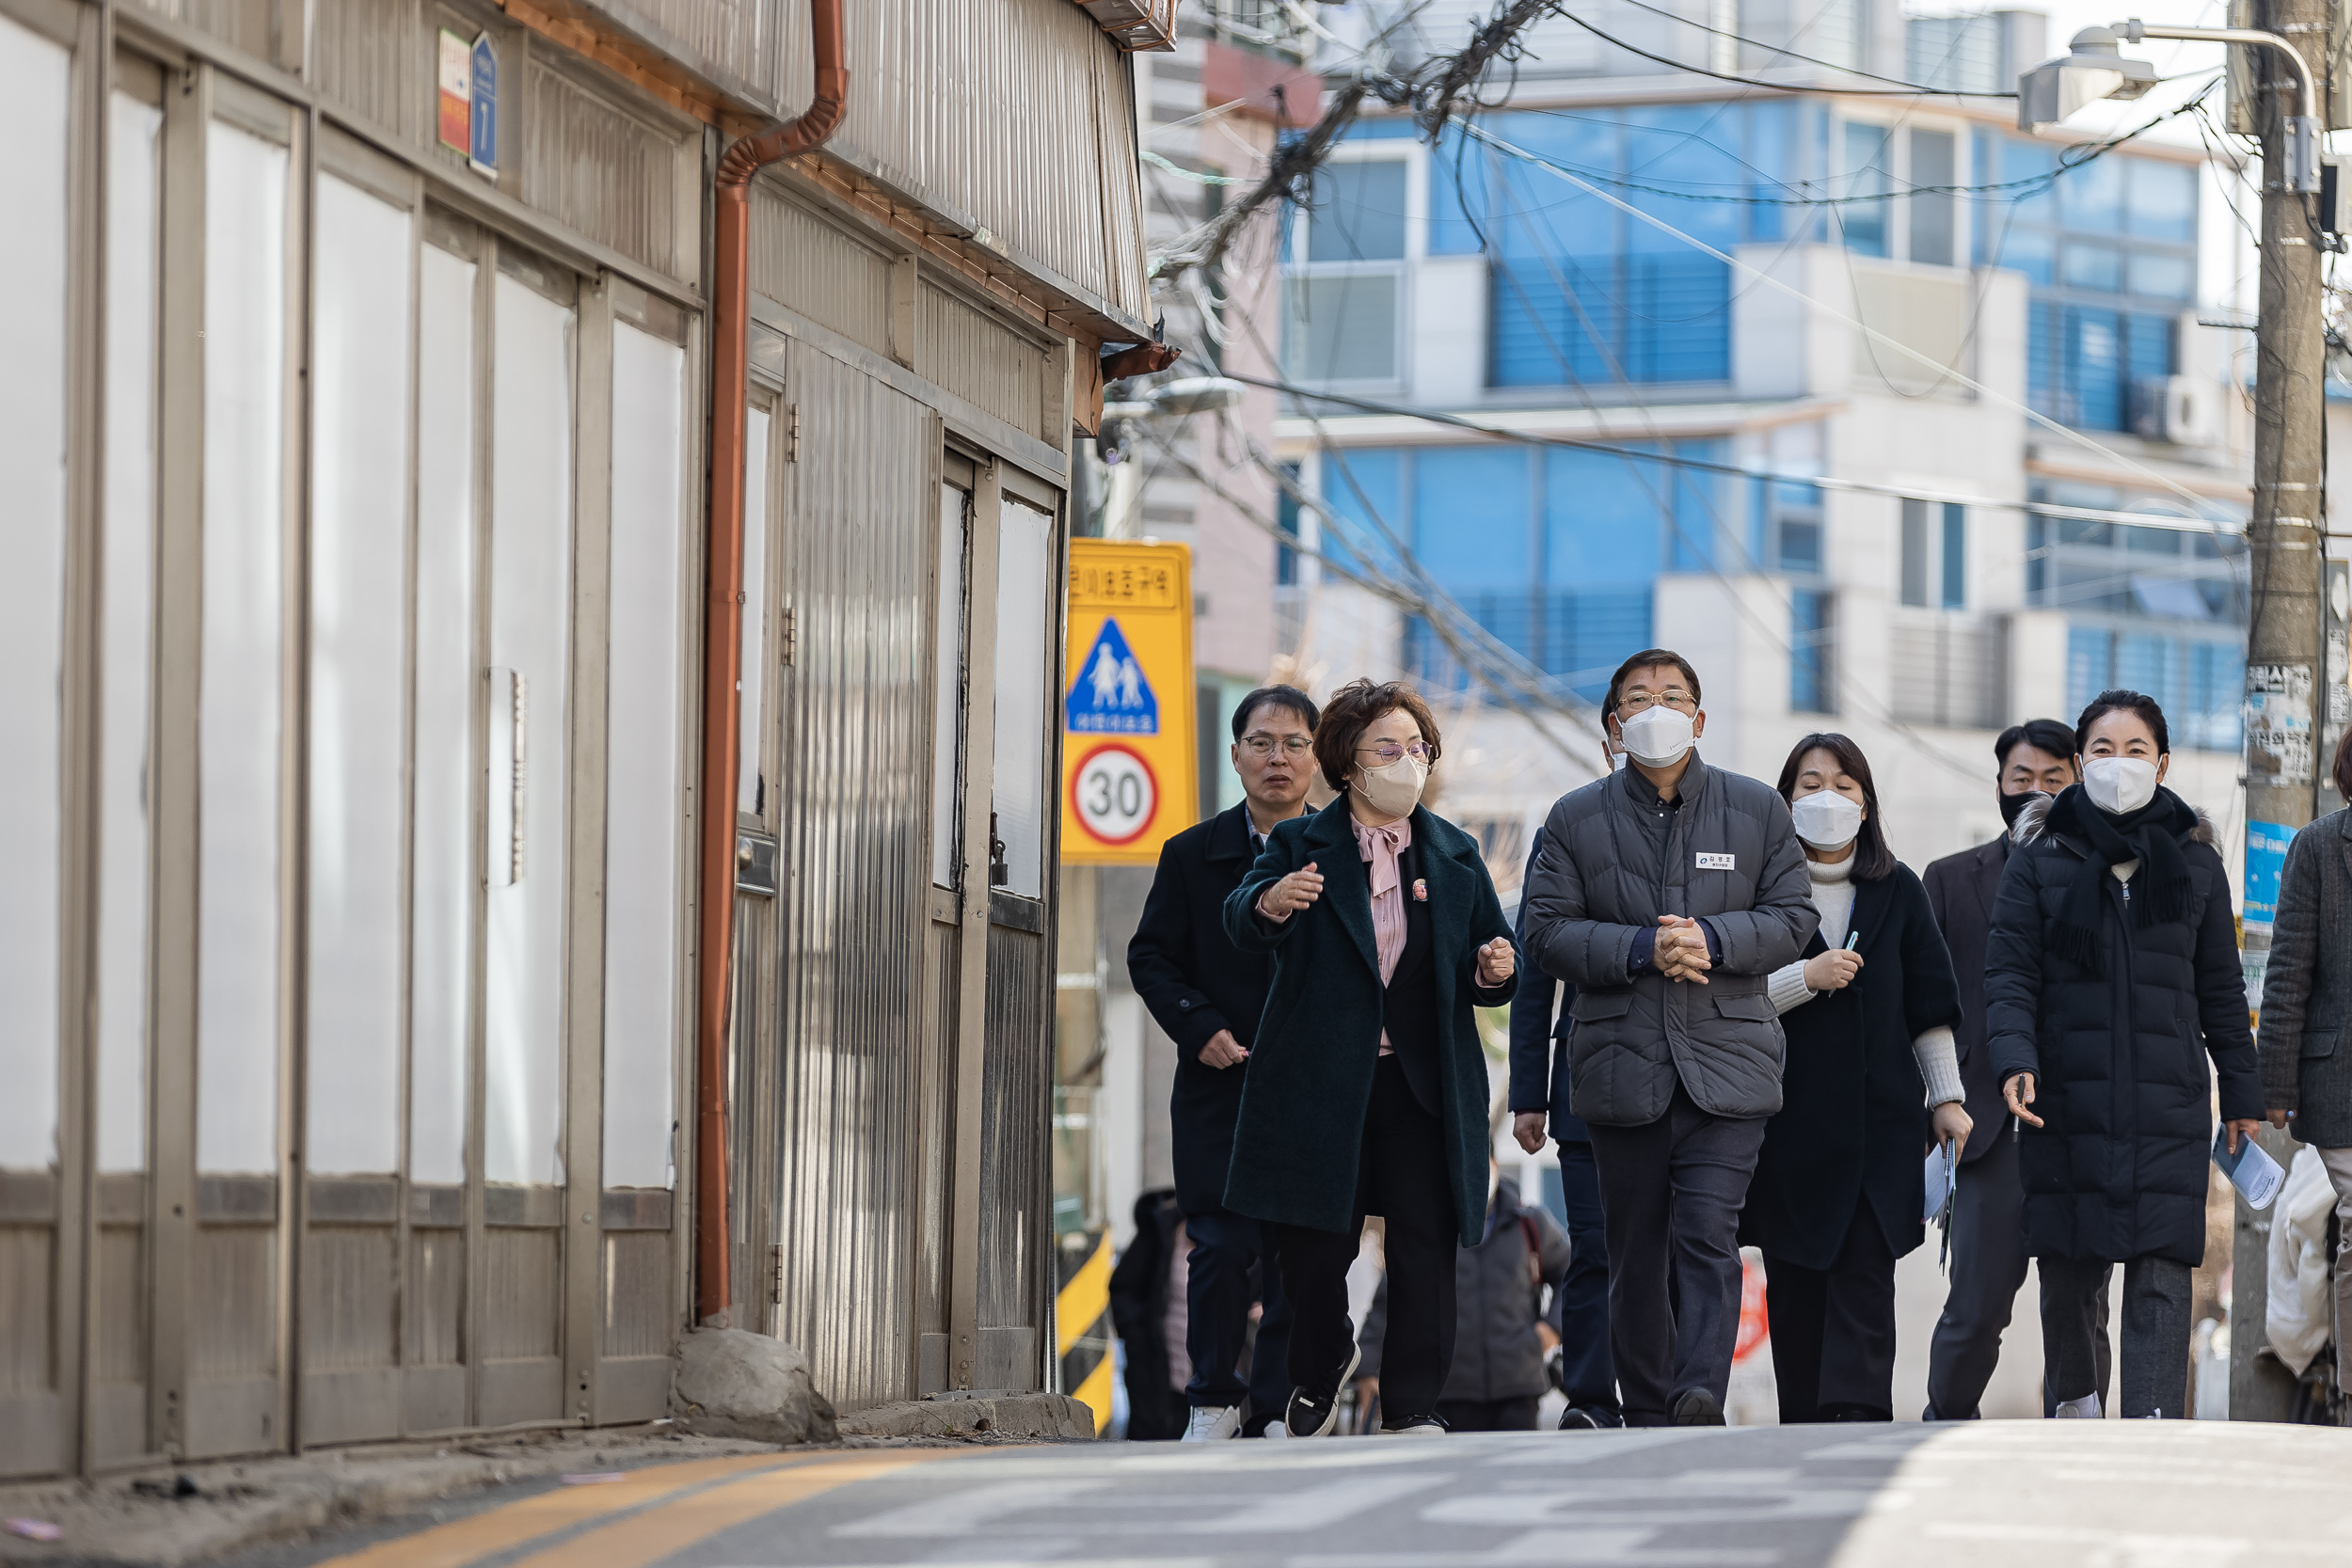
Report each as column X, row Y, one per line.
column 1401, row 1176
column 1511, row 1415
column 1834, row 1329
column 2155, row 1332
column 1228, row 1269
column 1989, row 1265
column 1591, row 1375
column 1672, row 1190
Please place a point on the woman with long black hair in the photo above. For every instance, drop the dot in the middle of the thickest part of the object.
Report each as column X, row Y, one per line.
column 2111, row 977
column 1872, row 1081
column 1367, row 1087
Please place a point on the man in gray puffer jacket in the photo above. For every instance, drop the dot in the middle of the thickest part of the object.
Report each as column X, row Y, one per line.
column 1666, row 893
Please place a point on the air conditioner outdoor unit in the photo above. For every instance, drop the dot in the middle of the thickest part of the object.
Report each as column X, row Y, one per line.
column 2185, row 410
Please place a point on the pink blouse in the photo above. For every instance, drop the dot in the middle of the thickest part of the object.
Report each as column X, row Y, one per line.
column 1380, row 848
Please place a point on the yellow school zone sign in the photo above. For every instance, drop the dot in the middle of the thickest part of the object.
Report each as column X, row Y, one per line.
column 1129, row 763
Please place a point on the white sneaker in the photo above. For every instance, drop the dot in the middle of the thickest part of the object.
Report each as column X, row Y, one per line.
column 2084, row 1409
column 1427, row 1426
column 1212, row 1423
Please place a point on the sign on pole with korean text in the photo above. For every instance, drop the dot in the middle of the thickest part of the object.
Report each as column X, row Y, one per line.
column 1129, row 757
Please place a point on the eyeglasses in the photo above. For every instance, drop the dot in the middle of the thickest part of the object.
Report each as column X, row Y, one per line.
column 1388, row 750
column 1263, row 745
column 1641, row 701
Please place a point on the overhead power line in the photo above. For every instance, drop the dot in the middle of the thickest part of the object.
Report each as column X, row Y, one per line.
column 1905, row 89
column 1854, row 487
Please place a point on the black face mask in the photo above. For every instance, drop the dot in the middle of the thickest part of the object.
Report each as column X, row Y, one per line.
column 2013, row 804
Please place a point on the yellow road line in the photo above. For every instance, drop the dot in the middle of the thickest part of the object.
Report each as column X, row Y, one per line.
column 1082, row 1301
column 516, row 1524
column 672, row 1527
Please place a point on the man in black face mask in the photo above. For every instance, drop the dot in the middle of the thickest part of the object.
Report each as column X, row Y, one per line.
column 1988, row 1236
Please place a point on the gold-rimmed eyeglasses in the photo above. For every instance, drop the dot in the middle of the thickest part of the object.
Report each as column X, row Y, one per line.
column 1674, row 697
column 1388, row 750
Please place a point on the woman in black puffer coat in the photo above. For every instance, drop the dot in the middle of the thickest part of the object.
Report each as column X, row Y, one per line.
column 2112, row 974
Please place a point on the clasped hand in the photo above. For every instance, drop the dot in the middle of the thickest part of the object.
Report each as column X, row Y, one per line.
column 1680, row 952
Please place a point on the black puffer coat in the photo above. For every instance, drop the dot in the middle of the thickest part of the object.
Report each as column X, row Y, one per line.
column 2119, row 1055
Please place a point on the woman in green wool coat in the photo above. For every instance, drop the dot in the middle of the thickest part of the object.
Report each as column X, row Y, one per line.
column 1367, row 1090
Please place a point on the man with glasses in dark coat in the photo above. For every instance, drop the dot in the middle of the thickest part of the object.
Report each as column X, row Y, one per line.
column 1207, row 994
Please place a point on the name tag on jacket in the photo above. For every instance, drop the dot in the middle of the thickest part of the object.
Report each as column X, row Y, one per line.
column 1716, row 863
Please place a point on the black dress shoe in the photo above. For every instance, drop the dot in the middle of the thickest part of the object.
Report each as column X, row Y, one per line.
column 1697, row 1408
column 1589, row 1417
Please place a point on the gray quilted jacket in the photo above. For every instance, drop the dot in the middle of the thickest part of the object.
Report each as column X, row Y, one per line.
column 2307, row 994
column 1733, row 858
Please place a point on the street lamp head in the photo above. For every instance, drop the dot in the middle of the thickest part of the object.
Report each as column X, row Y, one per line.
column 2092, row 69
column 1198, row 394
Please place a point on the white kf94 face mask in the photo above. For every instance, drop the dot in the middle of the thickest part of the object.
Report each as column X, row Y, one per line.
column 1656, row 736
column 2120, row 785
column 1826, row 819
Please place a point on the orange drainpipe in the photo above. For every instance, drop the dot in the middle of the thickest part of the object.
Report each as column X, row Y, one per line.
column 722, row 645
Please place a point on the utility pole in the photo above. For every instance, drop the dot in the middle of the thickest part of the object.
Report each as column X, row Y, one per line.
column 2284, row 679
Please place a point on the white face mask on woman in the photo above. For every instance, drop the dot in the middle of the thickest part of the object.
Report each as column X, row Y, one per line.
column 2120, row 785
column 1394, row 788
column 1826, row 819
column 1656, row 736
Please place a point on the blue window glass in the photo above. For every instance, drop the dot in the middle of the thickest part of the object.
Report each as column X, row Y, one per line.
column 2162, row 277
column 1471, row 519
column 2037, row 557
column 2090, row 196
column 2045, row 359
column 1603, row 518
column 2028, row 160
column 2217, row 684
column 1362, row 491
column 2148, row 345
column 1459, row 195
column 1809, row 651
column 2147, row 664
column 1586, row 634
column 2163, row 201
column 1705, row 523
column 2095, row 369
column 1678, row 318
column 2031, row 252
column 1864, row 158
column 2089, row 657
column 2094, row 266
column 1769, row 154
column 1358, row 213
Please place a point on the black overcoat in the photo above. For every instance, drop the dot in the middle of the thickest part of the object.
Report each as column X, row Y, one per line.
column 2119, row 1054
column 1853, row 1124
column 1961, row 890
column 1195, row 981
column 1302, row 1107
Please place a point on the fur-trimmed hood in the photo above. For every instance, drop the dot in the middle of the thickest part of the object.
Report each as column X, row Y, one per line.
column 2033, row 823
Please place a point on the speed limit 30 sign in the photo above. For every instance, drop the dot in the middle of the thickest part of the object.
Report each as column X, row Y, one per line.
column 1113, row 793
column 1130, row 766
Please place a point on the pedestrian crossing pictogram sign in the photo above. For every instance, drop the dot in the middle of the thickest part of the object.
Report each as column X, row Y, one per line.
column 1111, row 695
column 1129, row 761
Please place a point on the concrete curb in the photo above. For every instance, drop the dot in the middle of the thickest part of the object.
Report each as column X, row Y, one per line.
column 996, row 1415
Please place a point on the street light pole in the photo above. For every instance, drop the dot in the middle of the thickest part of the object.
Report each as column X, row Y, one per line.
column 2284, row 678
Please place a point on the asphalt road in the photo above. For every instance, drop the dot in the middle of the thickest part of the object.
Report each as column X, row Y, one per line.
column 2012, row 1494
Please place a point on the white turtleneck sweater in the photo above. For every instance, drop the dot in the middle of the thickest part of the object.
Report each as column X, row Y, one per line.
column 1937, row 1052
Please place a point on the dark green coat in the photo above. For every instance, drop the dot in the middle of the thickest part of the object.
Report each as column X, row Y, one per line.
column 1310, row 1076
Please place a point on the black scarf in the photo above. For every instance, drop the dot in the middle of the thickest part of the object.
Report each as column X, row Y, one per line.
column 2151, row 836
